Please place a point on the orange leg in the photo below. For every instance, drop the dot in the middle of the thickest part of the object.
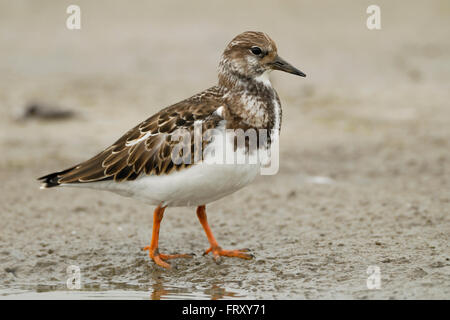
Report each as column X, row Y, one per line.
column 216, row 250
column 154, row 254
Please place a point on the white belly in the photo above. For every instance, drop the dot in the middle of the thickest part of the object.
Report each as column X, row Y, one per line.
column 194, row 186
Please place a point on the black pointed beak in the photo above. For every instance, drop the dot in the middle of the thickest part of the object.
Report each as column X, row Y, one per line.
column 282, row 65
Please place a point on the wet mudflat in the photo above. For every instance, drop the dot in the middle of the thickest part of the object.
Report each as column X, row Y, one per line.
column 364, row 173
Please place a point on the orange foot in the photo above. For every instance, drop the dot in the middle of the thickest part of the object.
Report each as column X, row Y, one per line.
column 219, row 252
column 159, row 258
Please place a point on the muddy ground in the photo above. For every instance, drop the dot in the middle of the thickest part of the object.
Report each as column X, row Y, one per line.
column 364, row 177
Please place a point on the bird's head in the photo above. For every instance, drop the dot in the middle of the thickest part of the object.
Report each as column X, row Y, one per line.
column 252, row 55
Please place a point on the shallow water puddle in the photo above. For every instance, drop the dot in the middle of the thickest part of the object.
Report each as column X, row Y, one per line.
column 157, row 292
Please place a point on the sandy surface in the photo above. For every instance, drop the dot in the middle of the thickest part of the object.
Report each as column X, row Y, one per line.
column 371, row 120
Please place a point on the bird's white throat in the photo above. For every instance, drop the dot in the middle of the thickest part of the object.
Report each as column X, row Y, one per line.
column 264, row 78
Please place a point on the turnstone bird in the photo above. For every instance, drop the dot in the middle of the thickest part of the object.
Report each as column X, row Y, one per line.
column 141, row 163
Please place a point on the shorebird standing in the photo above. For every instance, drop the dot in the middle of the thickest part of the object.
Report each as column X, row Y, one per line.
column 140, row 164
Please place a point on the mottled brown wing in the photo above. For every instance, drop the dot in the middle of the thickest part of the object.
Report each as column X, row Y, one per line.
column 147, row 148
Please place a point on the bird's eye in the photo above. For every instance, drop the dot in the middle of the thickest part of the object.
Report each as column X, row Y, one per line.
column 256, row 51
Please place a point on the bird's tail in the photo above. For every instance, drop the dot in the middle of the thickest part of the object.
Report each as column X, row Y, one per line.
column 52, row 180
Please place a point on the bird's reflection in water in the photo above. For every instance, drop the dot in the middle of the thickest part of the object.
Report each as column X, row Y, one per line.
column 158, row 291
column 215, row 292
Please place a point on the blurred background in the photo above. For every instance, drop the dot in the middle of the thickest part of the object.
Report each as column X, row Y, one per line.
column 364, row 166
